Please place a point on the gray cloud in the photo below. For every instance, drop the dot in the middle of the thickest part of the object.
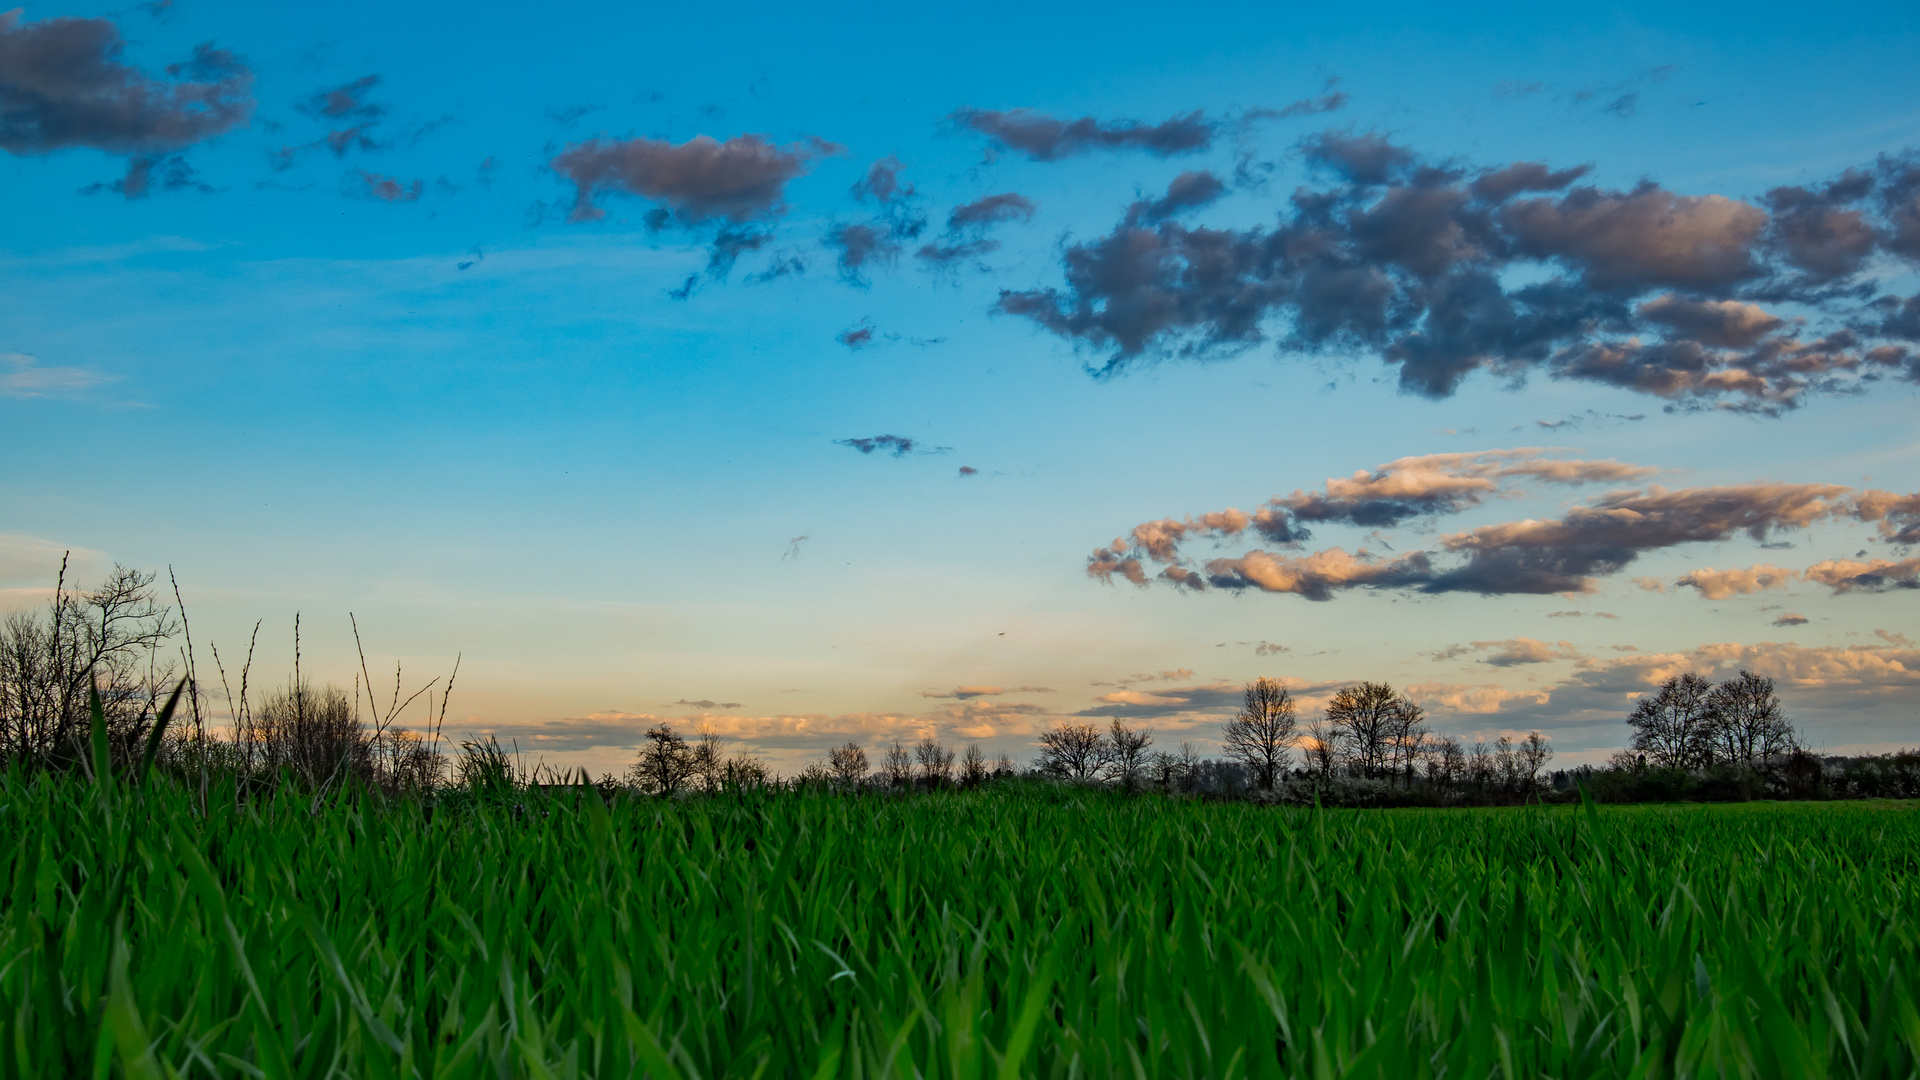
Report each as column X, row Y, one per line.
column 389, row 189
column 968, row 693
column 703, row 703
column 991, row 210
column 1559, row 555
column 882, row 183
column 62, row 84
column 1645, row 289
column 1046, row 138
column 698, row 180
column 896, row 445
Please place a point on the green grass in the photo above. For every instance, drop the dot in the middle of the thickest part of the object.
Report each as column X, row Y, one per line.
column 1013, row 932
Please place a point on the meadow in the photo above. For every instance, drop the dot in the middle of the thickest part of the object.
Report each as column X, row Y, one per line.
column 1023, row 929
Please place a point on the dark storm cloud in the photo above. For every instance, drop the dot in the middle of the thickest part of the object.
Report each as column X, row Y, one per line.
column 62, row 85
column 1046, row 138
column 699, row 180
column 1443, row 270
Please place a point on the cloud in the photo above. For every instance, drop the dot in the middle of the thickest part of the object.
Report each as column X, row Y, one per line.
column 21, row 376
column 967, row 693
column 989, row 210
column 62, row 85
column 1877, row 575
column 389, row 189
column 705, row 704
column 699, row 180
column 150, row 173
column 861, row 243
column 1514, row 652
column 1315, row 576
column 968, row 470
column 858, row 337
column 1427, row 485
column 1188, row 191
column 882, row 183
column 1045, row 138
column 1721, row 584
column 1442, row 270
column 1790, row 620
column 896, row 445
column 1581, row 614
column 1169, row 675
column 1470, row 698
column 1565, row 555
column 1330, row 100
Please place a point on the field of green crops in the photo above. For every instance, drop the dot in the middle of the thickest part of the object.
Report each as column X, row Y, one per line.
column 1016, row 931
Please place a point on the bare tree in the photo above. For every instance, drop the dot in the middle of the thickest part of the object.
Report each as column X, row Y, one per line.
column 1127, row 752
column 1674, row 726
column 973, row 767
column 707, row 762
column 665, row 763
column 1481, row 770
column 110, row 638
column 1376, row 725
column 1323, row 746
column 848, row 765
column 1750, row 725
column 1506, row 763
column 936, row 762
column 1446, row 761
column 315, row 735
column 1260, row 734
column 896, row 767
column 1535, row 752
column 1073, row 751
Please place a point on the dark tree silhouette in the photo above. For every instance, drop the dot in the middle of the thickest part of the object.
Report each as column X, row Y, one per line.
column 1674, row 726
column 1073, row 751
column 1750, row 726
column 1261, row 734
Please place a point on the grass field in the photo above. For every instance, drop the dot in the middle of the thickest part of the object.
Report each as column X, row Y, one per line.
column 1021, row 930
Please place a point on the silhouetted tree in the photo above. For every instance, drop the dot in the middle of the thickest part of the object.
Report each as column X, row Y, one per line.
column 848, row 765
column 936, row 762
column 1750, row 726
column 665, row 762
column 1127, row 752
column 1378, row 727
column 1323, row 746
column 974, row 770
column 1535, row 752
column 1260, row 734
column 1674, row 726
column 1073, row 751
column 896, row 767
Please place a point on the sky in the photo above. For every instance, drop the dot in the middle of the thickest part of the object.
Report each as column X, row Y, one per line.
column 883, row 373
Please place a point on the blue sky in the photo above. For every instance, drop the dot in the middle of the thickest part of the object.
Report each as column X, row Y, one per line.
column 487, row 429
